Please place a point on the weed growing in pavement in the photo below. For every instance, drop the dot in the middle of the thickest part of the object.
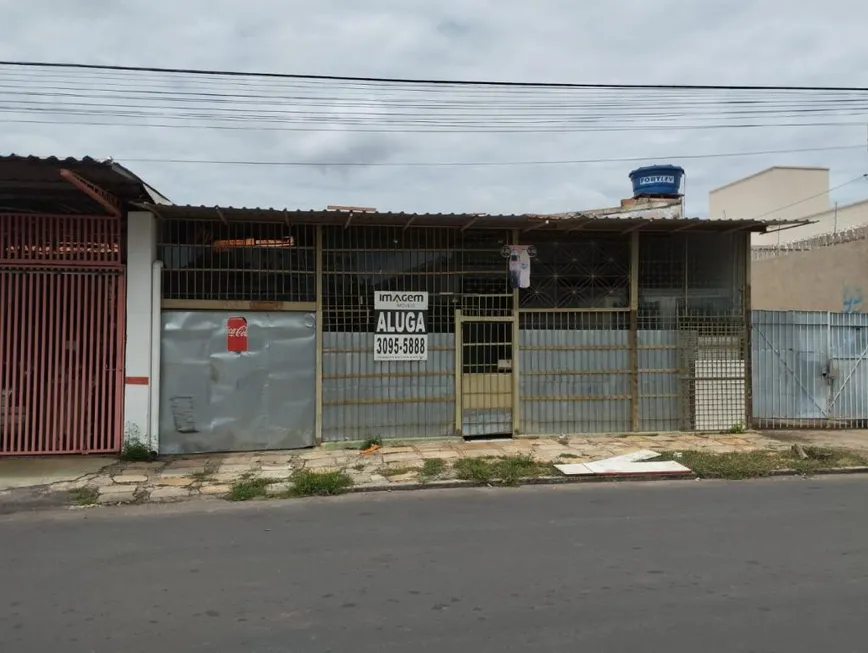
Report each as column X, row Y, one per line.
column 134, row 451
column 84, row 496
column 248, row 487
column 359, row 467
column 736, row 428
column 739, row 465
column 508, row 470
column 568, row 455
column 432, row 468
column 371, row 442
column 396, row 471
column 308, row 483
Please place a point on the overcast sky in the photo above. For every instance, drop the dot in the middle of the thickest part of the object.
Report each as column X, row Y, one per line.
column 616, row 41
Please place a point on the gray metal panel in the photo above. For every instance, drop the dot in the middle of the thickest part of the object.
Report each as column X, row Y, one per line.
column 215, row 400
column 596, row 375
column 363, row 398
column 658, row 381
column 789, row 355
column 848, row 355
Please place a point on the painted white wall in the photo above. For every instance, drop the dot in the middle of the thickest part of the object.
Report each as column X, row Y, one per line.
column 835, row 220
column 781, row 192
column 141, row 254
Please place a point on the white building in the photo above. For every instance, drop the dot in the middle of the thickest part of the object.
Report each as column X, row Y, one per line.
column 789, row 193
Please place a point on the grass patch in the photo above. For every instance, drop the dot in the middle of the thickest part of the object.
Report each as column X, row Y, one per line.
column 137, row 452
column 84, row 496
column 371, row 442
column 432, row 468
column 396, row 471
column 756, row 464
column 247, row 488
column 508, row 470
column 568, row 455
column 308, row 483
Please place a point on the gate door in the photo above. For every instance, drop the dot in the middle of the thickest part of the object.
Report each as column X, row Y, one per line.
column 61, row 334
column 486, row 385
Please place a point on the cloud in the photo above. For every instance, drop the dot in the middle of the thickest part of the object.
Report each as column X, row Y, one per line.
column 665, row 41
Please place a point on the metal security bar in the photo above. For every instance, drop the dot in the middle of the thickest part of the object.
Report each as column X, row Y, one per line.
column 574, row 372
column 459, row 271
column 229, row 261
column 60, row 240
column 810, row 369
column 485, row 377
column 61, row 335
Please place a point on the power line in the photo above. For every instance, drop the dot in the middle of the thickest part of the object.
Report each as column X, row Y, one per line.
column 445, row 130
column 399, row 80
column 126, row 96
column 409, row 164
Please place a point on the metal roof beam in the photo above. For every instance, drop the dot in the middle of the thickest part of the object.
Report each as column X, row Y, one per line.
column 108, row 201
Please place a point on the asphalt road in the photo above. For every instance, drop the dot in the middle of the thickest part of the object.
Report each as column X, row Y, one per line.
column 678, row 567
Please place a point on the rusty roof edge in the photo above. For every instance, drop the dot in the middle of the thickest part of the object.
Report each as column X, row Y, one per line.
column 649, row 215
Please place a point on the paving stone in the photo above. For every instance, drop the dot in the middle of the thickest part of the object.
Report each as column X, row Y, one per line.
column 130, row 478
column 235, row 469
column 214, row 490
column 271, row 473
column 241, row 459
column 181, row 473
column 391, row 450
column 116, row 489
column 224, row 478
column 316, row 454
column 142, row 466
column 276, row 489
column 164, row 493
column 326, row 469
column 173, row 481
column 118, row 497
column 481, row 453
column 320, row 463
column 276, row 467
column 185, row 463
column 404, row 478
column 442, row 455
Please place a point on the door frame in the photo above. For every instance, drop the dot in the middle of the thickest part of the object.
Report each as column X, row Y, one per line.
column 460, row 319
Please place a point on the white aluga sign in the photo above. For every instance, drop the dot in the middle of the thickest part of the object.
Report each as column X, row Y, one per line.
column 400, row 328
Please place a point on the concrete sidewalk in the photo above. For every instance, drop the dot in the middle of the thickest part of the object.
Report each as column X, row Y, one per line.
column 179, row 478
column 852, row 440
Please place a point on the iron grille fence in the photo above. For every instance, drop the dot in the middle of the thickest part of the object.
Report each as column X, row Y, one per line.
column 460, row 271
column 573, row 353
column 237, row 261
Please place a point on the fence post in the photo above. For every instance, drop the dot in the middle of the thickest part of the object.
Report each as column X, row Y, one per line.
column 634, row 331
column 748, row 336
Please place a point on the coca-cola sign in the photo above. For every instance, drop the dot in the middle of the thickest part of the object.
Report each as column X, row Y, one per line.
column 236, row 334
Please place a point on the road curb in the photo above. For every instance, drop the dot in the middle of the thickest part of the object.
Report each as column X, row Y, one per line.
column 831, row 471
column 599, row 478
column 544, row 480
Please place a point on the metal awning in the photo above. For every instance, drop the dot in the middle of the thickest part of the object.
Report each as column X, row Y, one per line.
column 653, row 219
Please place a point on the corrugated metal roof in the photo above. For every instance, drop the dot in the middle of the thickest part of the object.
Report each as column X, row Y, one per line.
column 50, row 160
column 653, row 219
column 33, row 183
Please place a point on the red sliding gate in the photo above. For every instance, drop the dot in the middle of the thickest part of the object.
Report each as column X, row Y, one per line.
column 62, row 334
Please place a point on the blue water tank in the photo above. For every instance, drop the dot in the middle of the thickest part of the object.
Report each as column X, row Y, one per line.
column 657, row 180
